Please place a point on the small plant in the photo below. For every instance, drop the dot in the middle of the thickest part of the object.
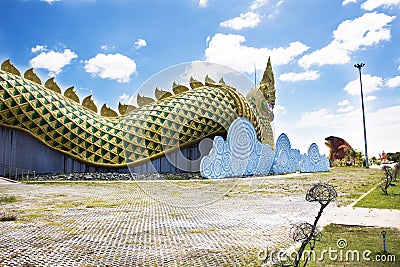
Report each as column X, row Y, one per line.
column 396, row 171
column 390, row 177
column 305, row 232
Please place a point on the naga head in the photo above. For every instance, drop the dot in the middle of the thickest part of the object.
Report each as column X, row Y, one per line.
column 267, row 86
column 262, row 98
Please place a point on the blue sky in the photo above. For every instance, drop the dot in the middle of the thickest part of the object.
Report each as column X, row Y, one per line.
column 110, row 48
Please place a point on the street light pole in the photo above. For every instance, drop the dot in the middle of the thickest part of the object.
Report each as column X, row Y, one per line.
column 359, row 66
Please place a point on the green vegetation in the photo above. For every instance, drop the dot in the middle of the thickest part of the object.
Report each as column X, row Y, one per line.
column 201, row 230
column 395, row 157
column 32, row 216
column 377, row 199
column 8, row 199
column 350, row 183
column 353, row 158
column 357, row 239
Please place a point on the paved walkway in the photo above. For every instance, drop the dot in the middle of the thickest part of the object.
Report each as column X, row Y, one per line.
column 350, row 215
column 361, row 216
column 118, row 224
column 6, row 181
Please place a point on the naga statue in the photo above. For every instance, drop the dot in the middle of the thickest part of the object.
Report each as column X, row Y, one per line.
column 137, row 134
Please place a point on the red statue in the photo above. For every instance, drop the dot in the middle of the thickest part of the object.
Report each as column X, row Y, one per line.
column 384, row 158
column 338, row 147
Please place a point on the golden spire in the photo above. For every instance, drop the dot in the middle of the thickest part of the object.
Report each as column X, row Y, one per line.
column 143, row 100
column 89, row 103
column 107, row 112
column 124, row 109
column 52, row 85
column 161, row 94
column 208, row 80
column 267, row 83
column 7, row 66
column 194, row 83
column 31, row 75
column 71, row 94
column 178, row 88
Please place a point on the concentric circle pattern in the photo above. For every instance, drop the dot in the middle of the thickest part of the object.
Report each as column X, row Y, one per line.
column 243, row 153
column 288, row 160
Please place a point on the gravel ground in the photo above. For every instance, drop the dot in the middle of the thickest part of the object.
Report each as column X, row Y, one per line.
column 149, row 223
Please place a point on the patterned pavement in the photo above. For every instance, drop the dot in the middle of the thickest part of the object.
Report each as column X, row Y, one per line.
column 118, row 224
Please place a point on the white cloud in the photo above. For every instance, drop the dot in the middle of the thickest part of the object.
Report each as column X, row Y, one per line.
column 370, row 84
column 366, row 30
column 328, row 55
column 50, row 1
column 111, row 66
column 317, row 118
column 53, row 61
column 227, row 49
column 245, row 20
column 203, row 3
column 257, row 4
column 140, row 43
column 350, row 36
column 345, row 2
column 345, row 109
column 381, row 125
column 370, row 5
column 208, row 39
column 370, row 98
column 302, row 76
column 393, row 82
column 124, row 97
column 344, row 102
column 279, row 110
column 38, row 48
column 107, row 47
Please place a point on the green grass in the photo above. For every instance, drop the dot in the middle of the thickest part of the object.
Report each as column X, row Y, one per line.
column 8, row 199
column 201, row 230
column 83, row 203
column 360, row 239
column 378, row 199
column 349, row 182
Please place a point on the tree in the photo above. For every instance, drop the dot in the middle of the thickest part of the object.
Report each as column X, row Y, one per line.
column 354, row 157
column 395, row 157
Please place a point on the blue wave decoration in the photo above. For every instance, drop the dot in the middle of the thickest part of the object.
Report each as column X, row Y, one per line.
column 313, row 161
column 286, row 159
column 241, row 154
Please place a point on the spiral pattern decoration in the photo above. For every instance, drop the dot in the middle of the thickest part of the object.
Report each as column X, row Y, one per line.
column 313, row 161
column 241, row 154
column 244, row 154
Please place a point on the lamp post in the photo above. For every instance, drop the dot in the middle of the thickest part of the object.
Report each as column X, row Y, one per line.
column 359, row 66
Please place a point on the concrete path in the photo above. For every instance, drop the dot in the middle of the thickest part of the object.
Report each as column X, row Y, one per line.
column 7, row 181
column 361, row 216
column 131, row 223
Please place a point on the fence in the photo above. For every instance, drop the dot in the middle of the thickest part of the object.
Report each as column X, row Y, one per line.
column 17, row 174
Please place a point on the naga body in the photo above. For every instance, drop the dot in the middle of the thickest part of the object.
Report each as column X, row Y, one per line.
column 138, row 134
